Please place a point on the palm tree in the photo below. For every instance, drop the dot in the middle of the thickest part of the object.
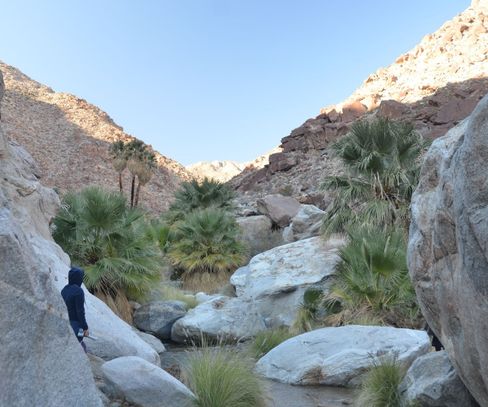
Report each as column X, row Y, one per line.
column 118, row 152
column 144, row 171
column 111, row 241
column 206, row 241
column 372, row 282
column 194, row 195
column 382, row 166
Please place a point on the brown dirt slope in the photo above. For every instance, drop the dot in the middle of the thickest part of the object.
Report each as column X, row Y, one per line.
column 69, row 138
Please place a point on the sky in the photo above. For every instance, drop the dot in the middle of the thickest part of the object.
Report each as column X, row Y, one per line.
column 205, row 80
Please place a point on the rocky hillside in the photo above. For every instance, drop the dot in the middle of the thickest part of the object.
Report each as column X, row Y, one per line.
column 221, row 171
column 434, row 85
column 69, row 139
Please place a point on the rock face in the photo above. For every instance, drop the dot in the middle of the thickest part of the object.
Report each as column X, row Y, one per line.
column 448, row 247
column 158, row 317
column 339, row 356
column 152, row 341
column 222, row 318
column 280, row 209
column 431, row 381
column 145, row 385
column 63, row 132
column 434, row 85
column 42, row 362
column 306, row 223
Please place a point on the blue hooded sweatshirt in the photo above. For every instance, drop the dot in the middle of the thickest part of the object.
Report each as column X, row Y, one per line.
column 74, row 297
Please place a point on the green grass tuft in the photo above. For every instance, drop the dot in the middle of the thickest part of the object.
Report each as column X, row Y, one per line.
column 380, row 384
column 222, row 378
column 267, row 340
column 170, row 293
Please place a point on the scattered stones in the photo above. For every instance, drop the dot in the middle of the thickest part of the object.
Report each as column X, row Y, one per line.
column 432, row 381
column 143, row 384
column 158, row 317
column 340, row 356
column 280, row 209
column 448, row 247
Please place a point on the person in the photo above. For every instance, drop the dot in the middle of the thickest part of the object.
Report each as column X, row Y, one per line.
column 74, row 297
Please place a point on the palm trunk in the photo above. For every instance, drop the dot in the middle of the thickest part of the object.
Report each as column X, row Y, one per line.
column 138, row 190
column 132, row 188
column 120, row 183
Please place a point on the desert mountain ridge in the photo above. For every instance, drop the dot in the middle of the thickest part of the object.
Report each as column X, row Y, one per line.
column 435, row 85
column 69, row 139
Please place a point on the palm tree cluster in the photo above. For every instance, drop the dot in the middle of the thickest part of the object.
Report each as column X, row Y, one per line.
column 138, row 159
column 372, row 283
column 204, row 236
column 382, row 165
column 114, row 243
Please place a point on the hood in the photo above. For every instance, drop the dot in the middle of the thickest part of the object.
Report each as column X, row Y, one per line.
column 75, row 276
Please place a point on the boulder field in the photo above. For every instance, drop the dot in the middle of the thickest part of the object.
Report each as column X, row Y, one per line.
column 448, row 247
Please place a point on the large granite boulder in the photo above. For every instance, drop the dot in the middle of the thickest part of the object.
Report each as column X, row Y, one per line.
column 222, row 318
column 280, row 209
column 275, row 281
column 306, row 223
column 340, row 356
column 158, row 317
column 42, row 363
column 144, row 384
column 431, row 381
column 448, row 247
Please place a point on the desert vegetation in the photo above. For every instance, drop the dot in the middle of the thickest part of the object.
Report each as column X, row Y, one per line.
column 138, row 159
column 220, row 377
column 381, row 160
column 114, row 243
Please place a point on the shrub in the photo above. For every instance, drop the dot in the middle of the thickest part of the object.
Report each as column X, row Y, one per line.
column 206, row 241
column 380, row 384
column 222, row 378
column 110, row 241
column 382, row 167
column 170, row 293
column 267, row 340
column 372, row 281
column 209, row 283
column 194, row 195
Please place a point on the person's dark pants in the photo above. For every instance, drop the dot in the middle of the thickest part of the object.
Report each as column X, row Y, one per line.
column 76, row 328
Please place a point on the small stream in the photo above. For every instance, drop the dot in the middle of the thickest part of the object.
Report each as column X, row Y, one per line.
column 278, row 394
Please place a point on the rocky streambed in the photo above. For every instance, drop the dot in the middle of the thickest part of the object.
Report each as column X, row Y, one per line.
column 277, row 394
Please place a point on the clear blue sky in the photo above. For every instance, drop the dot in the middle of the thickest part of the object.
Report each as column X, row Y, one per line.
column 212, row 79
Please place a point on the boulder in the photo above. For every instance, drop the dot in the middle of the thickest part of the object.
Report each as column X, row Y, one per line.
column 42, row 363
column 432, row 381
column 340, row 356
column 258, row 234
column 143, row 384
column 158, row 317
column 306, row 223
column 275, row 281
column 280, row 209
column 223, row 318
column 448, row 247
column 288, row 267
column 152, row 341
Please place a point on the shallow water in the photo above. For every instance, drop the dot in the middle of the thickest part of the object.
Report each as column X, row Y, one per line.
column 278, row 394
